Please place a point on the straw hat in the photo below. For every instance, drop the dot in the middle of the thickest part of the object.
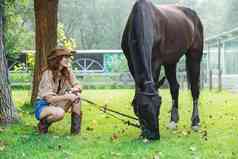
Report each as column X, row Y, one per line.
column 59, row 52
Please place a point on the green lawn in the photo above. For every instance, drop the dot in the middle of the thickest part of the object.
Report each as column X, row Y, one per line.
column 105, row 138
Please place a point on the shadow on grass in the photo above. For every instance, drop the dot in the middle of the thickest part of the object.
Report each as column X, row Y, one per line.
column 26, row 108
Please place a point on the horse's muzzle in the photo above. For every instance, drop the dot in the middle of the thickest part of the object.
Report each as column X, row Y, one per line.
column 147, row 108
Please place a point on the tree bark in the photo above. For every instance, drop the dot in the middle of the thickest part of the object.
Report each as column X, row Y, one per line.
column 8, row 113
column 46, row 37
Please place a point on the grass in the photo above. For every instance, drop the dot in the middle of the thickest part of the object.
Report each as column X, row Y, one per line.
column 104, row 137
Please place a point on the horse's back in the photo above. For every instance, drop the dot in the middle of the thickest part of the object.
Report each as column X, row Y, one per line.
column 178, row 31
column 175, row 29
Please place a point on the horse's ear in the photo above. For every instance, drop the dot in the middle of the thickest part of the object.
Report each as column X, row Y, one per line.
column 160, row 83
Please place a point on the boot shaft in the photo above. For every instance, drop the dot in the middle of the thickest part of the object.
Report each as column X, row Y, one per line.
column 43, row 126
column 76, row 120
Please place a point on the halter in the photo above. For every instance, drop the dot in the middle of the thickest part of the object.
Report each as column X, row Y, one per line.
column 146, row 93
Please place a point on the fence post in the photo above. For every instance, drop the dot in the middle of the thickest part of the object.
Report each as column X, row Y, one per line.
column 210, row 80
column 219, row 66
column 209, row 69
column 202, row 76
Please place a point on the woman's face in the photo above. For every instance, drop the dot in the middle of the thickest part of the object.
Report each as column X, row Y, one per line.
column 65, row 61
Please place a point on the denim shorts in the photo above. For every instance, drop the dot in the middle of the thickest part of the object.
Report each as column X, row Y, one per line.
column 40, row 104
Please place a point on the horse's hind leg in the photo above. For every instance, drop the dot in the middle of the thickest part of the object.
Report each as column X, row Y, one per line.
column 170, row 72
column 193, row 69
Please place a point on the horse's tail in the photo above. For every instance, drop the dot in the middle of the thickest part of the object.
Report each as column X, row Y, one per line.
column 188, row 73
column 198, row 28
column 195, row 19
column 188, row 60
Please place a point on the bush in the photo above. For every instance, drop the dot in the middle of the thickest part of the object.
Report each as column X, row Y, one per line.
column 20, row 77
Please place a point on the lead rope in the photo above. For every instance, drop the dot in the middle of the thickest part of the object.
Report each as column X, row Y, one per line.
column 107, row 111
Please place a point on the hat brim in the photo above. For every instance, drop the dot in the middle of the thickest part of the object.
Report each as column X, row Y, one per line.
column 60, row 53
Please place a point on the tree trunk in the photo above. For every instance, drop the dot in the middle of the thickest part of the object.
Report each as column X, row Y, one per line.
column 46, row 37
column 8, row 113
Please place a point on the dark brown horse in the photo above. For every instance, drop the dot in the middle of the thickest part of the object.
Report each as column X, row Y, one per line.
column 156, row 36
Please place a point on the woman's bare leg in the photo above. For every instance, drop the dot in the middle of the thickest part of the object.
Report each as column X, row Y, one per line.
column 52, row 114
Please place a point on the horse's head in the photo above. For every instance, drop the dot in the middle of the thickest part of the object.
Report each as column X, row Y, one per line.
column 147, row 108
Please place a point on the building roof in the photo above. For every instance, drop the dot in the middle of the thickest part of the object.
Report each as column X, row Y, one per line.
column 86, row 51
column 225, row 36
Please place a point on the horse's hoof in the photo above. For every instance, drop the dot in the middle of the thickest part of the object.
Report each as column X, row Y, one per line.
column 146, row 141
column 172, row 125
column 195, row 128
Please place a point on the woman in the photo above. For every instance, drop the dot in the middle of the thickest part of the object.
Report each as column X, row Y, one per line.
column 58, row 92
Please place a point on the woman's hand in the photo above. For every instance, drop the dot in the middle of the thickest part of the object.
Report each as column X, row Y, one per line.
column 72, row 97
column 76, row 89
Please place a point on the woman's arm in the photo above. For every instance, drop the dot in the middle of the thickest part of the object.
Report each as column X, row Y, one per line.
column 69, row 96
column 76, row 89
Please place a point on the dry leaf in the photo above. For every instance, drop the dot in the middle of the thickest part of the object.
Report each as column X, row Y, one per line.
column 192, row 148
column 156, row 156
column 89, row 129
column 1, row 129
column 94, row 123
column 114, row 137
column 2, row 147
column 115, row 154
column 184, row 133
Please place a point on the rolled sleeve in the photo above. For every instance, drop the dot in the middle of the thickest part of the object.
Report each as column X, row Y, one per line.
column 73, row 79
column 46, row 85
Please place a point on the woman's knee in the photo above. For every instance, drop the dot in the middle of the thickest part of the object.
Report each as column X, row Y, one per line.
column 58, row 113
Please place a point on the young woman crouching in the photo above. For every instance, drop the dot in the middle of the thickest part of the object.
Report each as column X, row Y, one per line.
column 58, row 93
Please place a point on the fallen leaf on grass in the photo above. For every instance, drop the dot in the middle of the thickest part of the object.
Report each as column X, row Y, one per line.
column 192, row 148
column 115, row 154
column 24, row 138
column 1, row 129
column 204, row 135
column 68, row 137
column 213, row 123
column 2, row 145
column 67, row 153
column 156, row 157
column 184, row 133
column 114, row 137
column 123, row 131
column 89, row 128
column 175, row 132
column 94, row 123
column 60, row 146
column 106, row 116
column 56, row 137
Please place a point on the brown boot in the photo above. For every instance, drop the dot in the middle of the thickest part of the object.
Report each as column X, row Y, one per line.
column 43, row 126
column 76, row 120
